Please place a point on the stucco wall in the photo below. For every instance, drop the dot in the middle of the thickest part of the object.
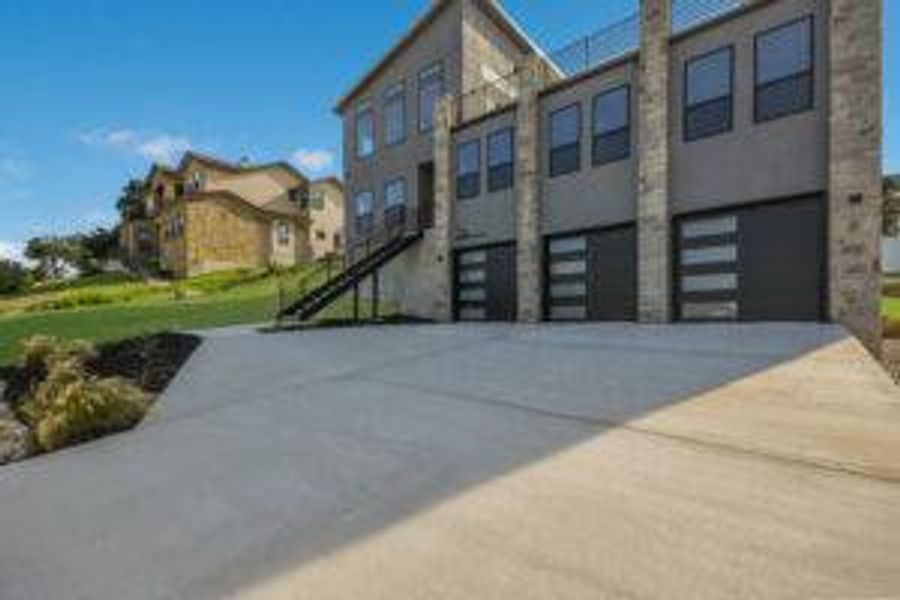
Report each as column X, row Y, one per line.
column 327, row 220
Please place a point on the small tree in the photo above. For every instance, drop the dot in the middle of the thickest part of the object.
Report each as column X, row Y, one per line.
column 13, row 277
column 891, row 206
column 131, row 202
column 52, row 254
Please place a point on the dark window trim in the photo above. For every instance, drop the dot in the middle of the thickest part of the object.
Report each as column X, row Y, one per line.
column 402, row 181
column 492, row 169
column 442, row 79
column 595, row 135
column 461, row 194
column 576, row 144
column 686, row 106
column 811, row 72
column 386, row 102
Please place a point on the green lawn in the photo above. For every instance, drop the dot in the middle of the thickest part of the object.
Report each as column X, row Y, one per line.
column 130, row 308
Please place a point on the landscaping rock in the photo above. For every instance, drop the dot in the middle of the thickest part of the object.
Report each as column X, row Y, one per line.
column 15, row 441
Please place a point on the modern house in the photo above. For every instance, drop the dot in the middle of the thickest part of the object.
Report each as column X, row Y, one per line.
column 209, row 214
column 714, row 160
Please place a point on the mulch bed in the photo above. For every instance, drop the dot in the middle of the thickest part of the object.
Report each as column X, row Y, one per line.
column 150, row 362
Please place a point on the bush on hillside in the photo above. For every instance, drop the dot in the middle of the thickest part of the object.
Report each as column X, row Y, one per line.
column 14, row 277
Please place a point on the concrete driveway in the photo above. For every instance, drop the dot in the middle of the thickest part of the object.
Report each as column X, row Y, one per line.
column 524, row 462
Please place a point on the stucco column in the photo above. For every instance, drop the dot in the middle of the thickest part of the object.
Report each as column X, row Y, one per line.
column 529, row 244
column 440, row 237
column 854, row 169
column 653, row 208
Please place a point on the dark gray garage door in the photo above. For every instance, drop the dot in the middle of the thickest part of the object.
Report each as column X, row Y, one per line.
column 761, row 263
column 592, row 276
column 486, row 284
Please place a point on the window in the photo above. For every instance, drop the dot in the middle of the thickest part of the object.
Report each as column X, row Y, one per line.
column 395, row 115
column 395, row 193
column 565, row 140
column 431, row 86
column 364, row 202
column 567, row 275
column 316, row 201
column 784, row 71
column 501, row 171
column 708, row 94
column 612, row 126
column 321, row 235
column 283, row 233
column 179, row 190
column 365, row 130
column 337, row 241
column 468, row 169
column 197, row 181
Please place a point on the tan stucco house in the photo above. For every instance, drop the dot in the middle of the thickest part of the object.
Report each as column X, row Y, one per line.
column 209, row 214
column 326, row 217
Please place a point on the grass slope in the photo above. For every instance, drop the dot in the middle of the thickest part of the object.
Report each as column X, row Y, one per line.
column 114, row 308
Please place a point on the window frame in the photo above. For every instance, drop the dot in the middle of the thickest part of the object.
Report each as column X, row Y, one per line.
column 395, row 181
column 596, row 136
column 363, row 224
column 686, row 136
column 474, row 176
column 283, row 233
column 492, row 185
column 576, row 144
column 394, row 93
column 810, row 20
column 440, row 78
column 366, row 108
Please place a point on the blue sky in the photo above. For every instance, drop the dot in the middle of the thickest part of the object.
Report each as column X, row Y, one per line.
column 92, row 91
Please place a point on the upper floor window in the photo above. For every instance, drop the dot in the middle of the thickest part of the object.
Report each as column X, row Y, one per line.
column 708, row 94
column 179, row 190
column 283, row 233
column 363, row 206
column 501, row 172
column 784, row 70
column 565, row 140
column 431, row 86
column 197, row 181
column 395, row 114
column 612, row 126
column 316, row 201
column 468, row 169
column 365, row 130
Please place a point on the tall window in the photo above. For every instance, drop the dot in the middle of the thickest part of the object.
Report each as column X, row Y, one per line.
column 784, row 71
column 612, row 126
column 364, row 205
column 565, row 140
column 283, row 231
column 431, row 86
column 365, row 130
column 395, row 114
column 468, row 169
column 501, row 171
column 708, row 94
column 395, row 201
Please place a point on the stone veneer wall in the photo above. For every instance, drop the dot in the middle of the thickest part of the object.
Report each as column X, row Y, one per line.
column 439, row 241
column 854, row 170
column 653, row 205
column 219, row 236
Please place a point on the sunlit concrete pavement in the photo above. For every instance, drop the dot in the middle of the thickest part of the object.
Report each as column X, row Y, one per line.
column 494, row 461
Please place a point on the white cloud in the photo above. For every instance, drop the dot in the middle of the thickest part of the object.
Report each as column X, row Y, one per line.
column 314, row 161
column 12, row 250
column 157, row 147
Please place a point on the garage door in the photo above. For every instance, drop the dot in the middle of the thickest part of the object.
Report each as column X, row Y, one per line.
column 762, row 263
column 592, row 276
column 486, row 284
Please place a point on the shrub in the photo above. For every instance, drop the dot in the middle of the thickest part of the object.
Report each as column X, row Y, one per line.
column 891, row 329
column 70, row 406
column 14, row 277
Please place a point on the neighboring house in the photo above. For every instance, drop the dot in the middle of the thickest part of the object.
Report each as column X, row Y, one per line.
column 326, row 217
column 208, row 215
column 702, row 161
column 890, row 245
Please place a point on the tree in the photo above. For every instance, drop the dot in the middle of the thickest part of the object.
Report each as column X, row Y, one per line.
column 53, row 254
column 891, row 206
column 131, row 202
column 97, row 247
column 13, row 277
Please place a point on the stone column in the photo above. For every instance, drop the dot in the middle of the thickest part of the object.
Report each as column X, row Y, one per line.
column 653, row 208
column 440, row 237
column 854, row 169
column 529, row 243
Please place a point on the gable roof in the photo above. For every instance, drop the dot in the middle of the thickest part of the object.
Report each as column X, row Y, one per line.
column 229, row 167
column 491, row 8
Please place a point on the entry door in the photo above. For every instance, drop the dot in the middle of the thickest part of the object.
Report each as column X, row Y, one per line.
column 612, row 275
column 426, row 195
